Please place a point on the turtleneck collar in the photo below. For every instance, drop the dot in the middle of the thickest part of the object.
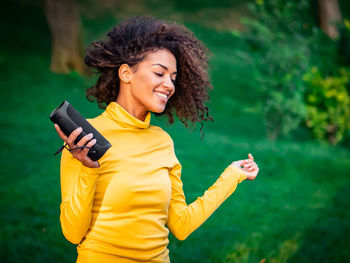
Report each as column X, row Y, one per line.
column 117, row 113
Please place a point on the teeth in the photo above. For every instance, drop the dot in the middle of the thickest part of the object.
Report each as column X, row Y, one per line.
column 162, row 95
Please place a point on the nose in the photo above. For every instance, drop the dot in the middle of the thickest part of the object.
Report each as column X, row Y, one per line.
column 169, row 84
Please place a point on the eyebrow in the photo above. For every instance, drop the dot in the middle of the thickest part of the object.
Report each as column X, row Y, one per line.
column 164, row 67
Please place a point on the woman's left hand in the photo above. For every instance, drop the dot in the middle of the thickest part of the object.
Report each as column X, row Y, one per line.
column 248, row 166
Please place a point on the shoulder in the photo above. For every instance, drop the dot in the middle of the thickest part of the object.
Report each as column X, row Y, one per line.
column 161, row 133
column 100, row 122
column 97, row 119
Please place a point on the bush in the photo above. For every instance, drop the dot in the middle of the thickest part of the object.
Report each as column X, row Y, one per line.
column 328, row 105
column 280, row 34
column 344, row 43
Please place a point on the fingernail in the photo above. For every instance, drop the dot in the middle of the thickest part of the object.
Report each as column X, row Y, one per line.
column 93, row 141
column 79, row 129
column 90, row 135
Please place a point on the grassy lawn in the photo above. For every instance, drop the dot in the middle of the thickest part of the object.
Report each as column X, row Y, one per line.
column 297, row 210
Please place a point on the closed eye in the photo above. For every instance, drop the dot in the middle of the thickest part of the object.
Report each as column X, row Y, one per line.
column 161, row 75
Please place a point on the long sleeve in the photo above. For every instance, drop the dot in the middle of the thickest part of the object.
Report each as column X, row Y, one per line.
column 78, row 184
column 183, row 219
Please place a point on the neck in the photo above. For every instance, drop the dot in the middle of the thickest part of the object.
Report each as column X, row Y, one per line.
column 130, row 106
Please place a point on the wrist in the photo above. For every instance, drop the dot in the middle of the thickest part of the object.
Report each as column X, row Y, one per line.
column 238, row 170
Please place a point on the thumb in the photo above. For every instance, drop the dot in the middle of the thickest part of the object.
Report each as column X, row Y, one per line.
column 250, row 157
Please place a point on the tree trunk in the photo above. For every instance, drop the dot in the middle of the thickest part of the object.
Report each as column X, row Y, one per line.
column 66, row 41
column 329, row 14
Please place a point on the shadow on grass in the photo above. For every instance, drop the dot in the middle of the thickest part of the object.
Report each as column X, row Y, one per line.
column 328, row 239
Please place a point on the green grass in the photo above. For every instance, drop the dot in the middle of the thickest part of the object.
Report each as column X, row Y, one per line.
column 296, row 211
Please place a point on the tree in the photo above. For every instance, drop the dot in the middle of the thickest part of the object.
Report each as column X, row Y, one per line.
column 329, row 14
column 67, row 46
column 279, row 40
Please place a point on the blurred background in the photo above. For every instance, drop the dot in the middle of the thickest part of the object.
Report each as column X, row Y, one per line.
column 281, row 77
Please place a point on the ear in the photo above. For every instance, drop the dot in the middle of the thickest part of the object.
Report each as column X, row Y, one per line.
column 125, row 73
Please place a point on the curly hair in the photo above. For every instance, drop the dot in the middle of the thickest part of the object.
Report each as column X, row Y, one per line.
column 129, row 43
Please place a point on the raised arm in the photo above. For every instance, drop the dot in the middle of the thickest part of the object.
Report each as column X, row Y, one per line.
column 183, row 219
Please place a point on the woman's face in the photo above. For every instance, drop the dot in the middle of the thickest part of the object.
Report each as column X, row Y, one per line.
column 153, row 81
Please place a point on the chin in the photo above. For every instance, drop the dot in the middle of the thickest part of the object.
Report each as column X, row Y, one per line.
column 158, row 109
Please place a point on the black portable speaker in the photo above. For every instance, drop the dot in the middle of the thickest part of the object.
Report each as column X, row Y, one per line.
column 69, row 119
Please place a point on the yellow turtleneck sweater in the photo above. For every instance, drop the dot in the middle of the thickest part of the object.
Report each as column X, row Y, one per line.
column 119, row 211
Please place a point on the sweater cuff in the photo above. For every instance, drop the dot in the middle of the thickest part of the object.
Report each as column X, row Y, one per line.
column 88, row 172
column 237, row 172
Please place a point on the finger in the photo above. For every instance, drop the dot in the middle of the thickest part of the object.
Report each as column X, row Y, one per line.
column 60, row 133
column 248, row 165
column 73, row 136
column 251, row 167
column 251, row 164
column 84, row 140
column 248, row 161
column 251, row 156
column 90, row 144
column 254, row 168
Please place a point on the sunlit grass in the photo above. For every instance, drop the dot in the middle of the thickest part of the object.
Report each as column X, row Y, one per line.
column 296, row 211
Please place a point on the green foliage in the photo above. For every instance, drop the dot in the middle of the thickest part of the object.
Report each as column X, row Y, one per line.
column 328, row 105
column 281, row 35
column 195, row 5
column 268, row 220
column 344, row 42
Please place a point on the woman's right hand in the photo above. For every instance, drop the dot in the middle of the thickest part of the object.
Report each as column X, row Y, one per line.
column 80, row 154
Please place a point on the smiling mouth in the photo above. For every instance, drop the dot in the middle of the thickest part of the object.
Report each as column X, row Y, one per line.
column 161, row 95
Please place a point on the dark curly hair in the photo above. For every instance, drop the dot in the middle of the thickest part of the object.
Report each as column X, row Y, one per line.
column 129, row 43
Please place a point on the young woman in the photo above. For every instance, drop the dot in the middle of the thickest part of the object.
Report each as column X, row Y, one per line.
column 121, row 207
